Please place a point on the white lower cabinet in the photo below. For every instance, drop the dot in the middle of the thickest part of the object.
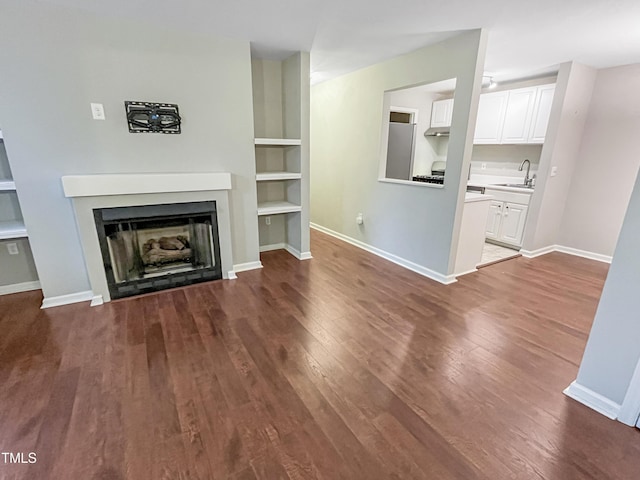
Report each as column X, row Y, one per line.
column 513, row 221
column 494, row 220
column 506, row 221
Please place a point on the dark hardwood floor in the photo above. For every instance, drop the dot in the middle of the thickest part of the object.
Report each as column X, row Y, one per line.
column 342, row 367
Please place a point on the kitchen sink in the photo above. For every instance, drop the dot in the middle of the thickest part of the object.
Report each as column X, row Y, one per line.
column 514, row 185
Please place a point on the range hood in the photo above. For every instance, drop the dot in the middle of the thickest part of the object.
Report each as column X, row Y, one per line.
column 437, row 132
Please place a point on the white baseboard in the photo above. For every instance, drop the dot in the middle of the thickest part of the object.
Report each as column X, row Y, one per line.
column 285, row 246
column 243, row 267
column 414, row 267
column 19, row 287
column 583, row 253
column 297, row 253
column 593, row 400
column 67, row 299
column 537, row 252
column 466, row 273
column 96, row 301
column 273, row 246
column 562, row 249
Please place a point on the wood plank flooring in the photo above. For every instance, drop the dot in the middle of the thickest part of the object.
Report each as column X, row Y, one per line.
column 341, row 367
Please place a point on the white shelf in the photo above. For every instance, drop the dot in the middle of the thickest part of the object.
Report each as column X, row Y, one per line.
column 7, row 185
column 267, row 176
column 273, row 208
column 12, row 229
column 278, row 142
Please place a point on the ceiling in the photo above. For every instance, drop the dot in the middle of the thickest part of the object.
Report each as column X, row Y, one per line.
column 525, row 38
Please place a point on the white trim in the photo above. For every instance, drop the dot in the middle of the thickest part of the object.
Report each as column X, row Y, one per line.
column 19, row 287
column 568, row 250
column 296, row 253
column 537, row 252
column 67, row 299
column 243, row 267
column 283, row 142
column 273, row 246
column 466, row 273
column 583, row 253
column 271, row 176
column 593, row 400
column 12, row 229
column 231, row 275
column 274, row 208
column 7, row 185
column 96, row 301
column 630, row 409
column 409, row 265
column 139, row 183
column 285, row 246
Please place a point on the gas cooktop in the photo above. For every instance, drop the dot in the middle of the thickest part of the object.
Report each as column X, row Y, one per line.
column 437, row 179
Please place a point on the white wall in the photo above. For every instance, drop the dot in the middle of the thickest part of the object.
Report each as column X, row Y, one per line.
column 607, row 164
column 560, row 150
column 56, row 61
column 416, row 223
column 613, row 348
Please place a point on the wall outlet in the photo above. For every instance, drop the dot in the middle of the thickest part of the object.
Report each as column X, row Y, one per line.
column 12, row 248
column 554, row 171
column 359, row 219
column 97, row 111
column 267, row 220
column 483, row 166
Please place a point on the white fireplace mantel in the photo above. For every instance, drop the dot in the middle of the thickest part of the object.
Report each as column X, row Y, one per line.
column 141, row 183
column 89, row 192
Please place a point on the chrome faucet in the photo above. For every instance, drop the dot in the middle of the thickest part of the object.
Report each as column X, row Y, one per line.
column 527, row 181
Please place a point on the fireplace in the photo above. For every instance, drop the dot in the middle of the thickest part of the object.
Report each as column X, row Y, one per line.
column 148, row 248
column 128, row 211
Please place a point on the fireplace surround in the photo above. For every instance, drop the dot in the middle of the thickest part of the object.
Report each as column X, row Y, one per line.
column 188, row 204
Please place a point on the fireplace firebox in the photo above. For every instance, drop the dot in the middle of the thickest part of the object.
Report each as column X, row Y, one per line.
column 153, row 247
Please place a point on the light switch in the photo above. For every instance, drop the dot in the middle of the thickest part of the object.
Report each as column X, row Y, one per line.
column 12, row 248
column 554, row 171
column 97, row 111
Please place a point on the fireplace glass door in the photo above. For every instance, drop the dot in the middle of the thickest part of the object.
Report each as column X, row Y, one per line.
column 153, row 247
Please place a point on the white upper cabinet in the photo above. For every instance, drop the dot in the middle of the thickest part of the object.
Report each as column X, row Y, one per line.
column 441, row 113
column 491, row 111
column 541, row 113
column 517, row 119
column 514, row 116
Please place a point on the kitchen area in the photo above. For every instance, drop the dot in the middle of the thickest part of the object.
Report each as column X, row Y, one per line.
column 510, row 132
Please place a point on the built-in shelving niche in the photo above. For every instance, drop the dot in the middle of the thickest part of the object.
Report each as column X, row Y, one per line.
column 17, row 272
column 281, row 124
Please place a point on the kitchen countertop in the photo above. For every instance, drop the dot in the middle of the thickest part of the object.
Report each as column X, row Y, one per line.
column 476, row 197
column 499, row 187
column 492, row 181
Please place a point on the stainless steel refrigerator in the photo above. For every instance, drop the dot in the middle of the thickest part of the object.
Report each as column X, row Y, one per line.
column 400, row 150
